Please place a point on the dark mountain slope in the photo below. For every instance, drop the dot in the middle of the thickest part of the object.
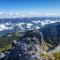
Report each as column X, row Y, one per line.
column 51, row 34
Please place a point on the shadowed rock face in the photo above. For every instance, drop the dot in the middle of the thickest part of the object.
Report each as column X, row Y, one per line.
column 28, row 47
column 34, row 43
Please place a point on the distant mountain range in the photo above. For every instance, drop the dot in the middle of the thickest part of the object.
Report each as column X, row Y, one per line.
column 25, row 23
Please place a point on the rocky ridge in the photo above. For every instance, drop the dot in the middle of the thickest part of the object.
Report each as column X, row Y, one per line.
column 36, row 45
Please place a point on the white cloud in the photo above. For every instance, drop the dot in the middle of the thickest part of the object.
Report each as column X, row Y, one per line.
column 36, row 22
column 25, row 14
column 29, row 25
column 3, row 27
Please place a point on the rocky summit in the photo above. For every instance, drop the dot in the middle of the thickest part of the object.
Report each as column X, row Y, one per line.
column 35, row 45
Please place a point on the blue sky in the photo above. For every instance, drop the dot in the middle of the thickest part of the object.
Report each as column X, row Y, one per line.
column 36, row 6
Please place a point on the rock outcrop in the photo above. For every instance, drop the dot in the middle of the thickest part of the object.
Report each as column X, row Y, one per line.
column 28, row 48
